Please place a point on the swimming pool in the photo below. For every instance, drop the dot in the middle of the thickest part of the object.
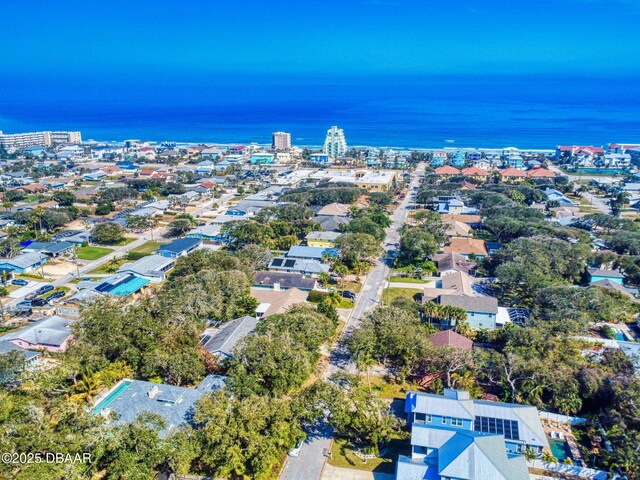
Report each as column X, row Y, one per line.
column 559, row 449
column 105, row 402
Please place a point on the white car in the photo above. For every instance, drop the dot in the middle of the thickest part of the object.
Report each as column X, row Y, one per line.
column 295, row 451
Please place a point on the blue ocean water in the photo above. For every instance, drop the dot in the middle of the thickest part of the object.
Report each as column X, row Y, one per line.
column 465, row 111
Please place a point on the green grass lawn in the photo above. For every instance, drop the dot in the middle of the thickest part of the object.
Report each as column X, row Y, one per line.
column 92, row 253
column 344, row 457
column 125, row 241
column 143, row 250
column 346, row 304
column 392, row 293
column 401, row 279
column 111, row 266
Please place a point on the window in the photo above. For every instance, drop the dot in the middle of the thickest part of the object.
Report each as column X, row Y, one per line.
column 444, row 420
column 457, row 422
column 429, row 418
column 419, row 417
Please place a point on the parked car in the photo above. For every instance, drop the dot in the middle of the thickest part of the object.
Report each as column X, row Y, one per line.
column 295, row 451
column 55, row 295
column 44, row 289
column 349, row 295
column 23, row 307
column 20, row 282
column 39, row 302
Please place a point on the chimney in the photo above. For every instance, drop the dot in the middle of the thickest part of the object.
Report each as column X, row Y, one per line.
column 153, row 392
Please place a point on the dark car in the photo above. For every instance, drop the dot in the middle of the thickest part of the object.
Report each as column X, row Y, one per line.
column 39, row 302
column 23, row 308
column 31, row 296
column 349, row 295
column 44, row 289
column 19, row 281
column 54, row 295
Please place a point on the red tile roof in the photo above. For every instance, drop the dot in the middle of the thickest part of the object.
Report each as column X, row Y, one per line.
column 475, row 171
column 541, row 173
column 512, row 172
column 446, row 170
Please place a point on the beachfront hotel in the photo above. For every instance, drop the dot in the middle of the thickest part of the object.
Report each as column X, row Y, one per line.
column 42, row 139
column 335, row 144
column 281, row 141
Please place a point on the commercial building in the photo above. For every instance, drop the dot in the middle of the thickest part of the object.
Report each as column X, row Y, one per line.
column 281, row 141
column 43, row 139
column 335, row 144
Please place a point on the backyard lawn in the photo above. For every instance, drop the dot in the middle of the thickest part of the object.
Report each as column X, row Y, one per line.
column 390, row 294
column 143, row 250
column 92, row 253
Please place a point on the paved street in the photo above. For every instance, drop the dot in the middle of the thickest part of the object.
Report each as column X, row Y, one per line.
column 309, row 464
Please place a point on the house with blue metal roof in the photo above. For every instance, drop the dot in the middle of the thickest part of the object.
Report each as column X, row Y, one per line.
column 121, row 284
column 23, row 263
column 453, row 436
column 179, row 248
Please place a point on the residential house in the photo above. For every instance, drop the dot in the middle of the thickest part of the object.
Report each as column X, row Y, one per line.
column 262, row 158
column 513, row 174
column 178, row 248
column 48, row 333
column 23, row 263
column 482, row 312
column 272, row 302
column 458, row 229
column 311, row 253
column 297, row 265
column 472, row 220
column 51, row 249
column 452, row 206
column 151, row 267
column 30, row 357
column 446, row 171
column 322, row 239
column 450, row 338
column 455, row 437
column 34, row 188
column 335, row 210
column 377, row 181
column 598, row 274
column 439, row 157
column 94, row 176
column 540, row 173
column 319, row 158
column 221, row 341
column 450, row 262
column 476, row 172
column 283, row 281
column 514, row 161
column 130, row 398
column 208, row 233
column 467, row 247
column 331, row 223
column 554, row 195
column 121, row 284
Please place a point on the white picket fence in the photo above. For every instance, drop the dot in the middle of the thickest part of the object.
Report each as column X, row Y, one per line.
column 581, row 472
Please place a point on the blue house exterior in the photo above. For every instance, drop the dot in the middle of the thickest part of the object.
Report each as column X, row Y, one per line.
column 179, row 248
column 455, row 437
column 597, row 274
column 515, row 161
column 482, row 312
column 128, row 166
column 458, row 159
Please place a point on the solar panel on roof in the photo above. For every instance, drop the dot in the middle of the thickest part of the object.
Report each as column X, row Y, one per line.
column 289, row 263
column 103, row 287
column 277, row 262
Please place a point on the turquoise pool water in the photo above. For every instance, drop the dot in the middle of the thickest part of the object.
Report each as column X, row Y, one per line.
column 559, row 449
column 621, row 337
column 105, row 402
column 604, row 171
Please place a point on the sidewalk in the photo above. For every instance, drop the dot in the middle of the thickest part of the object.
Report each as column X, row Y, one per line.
column 335, row 473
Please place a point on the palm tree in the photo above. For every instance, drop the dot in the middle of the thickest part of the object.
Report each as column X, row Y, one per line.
column 333, row 298
column 87, row 387
column 341, row 271
column 548, row 457
column 36, row 218
column 324, row 278
column 7, row 204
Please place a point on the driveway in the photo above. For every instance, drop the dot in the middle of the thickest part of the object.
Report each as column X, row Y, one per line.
column 335, row 473
column 26, row 290
column 308, row 465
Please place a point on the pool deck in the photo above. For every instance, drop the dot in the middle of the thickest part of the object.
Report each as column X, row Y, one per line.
column 551, row 426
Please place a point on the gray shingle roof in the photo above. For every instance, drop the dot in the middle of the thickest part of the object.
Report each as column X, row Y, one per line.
column 471, row 303
column 223, row 340
column 52, row 331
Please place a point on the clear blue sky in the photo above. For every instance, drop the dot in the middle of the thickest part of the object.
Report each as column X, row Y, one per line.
column 182, row 38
